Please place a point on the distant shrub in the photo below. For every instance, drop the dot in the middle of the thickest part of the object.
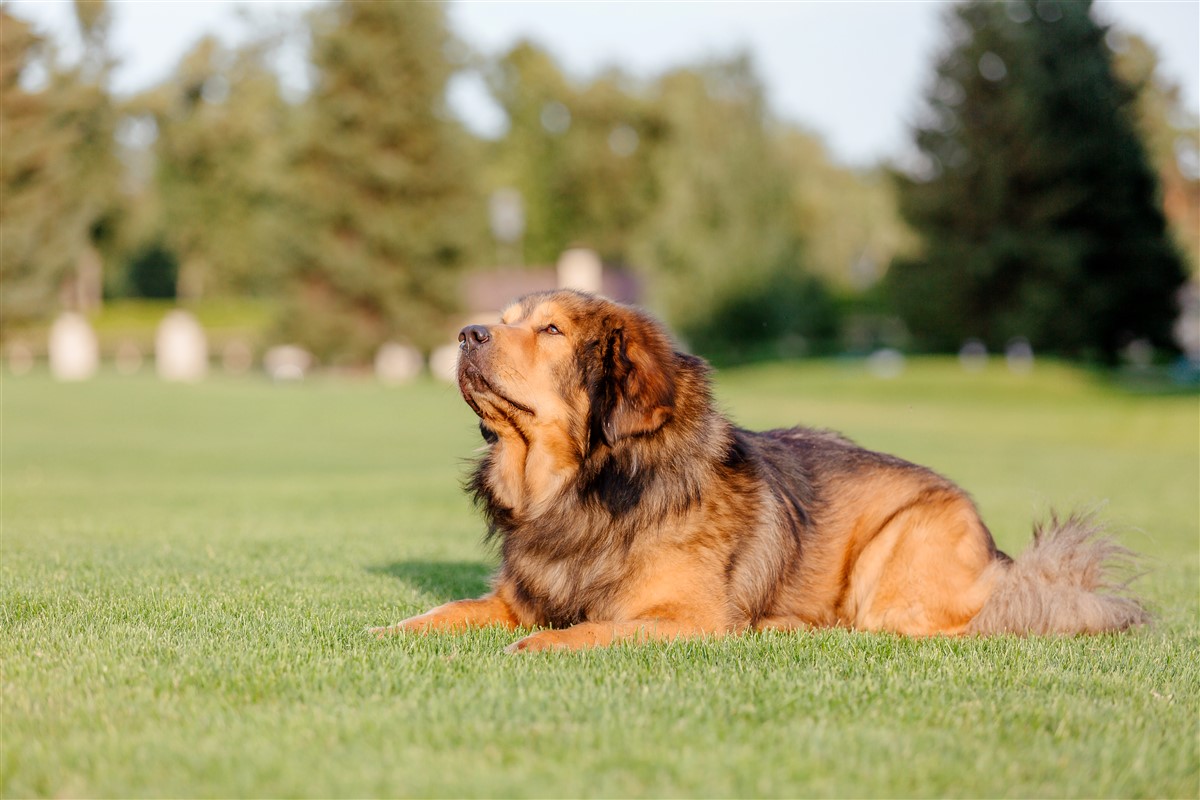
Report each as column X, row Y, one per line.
column 787, row 316
column 153, row 273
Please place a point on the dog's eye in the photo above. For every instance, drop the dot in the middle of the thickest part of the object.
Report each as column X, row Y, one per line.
column 552, row 330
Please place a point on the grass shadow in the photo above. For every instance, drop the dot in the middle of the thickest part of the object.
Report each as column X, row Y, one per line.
column 444, row 580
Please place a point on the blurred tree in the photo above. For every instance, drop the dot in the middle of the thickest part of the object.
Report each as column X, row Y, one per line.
column 1172, row 136
column 384, row 182
column 219, row 152
column 847, row 218
column 28, row 222
column 58, row 169
column 153, row 272
column 722, row 228
column 92, row 160
column 580, row 155
column 1037, row 206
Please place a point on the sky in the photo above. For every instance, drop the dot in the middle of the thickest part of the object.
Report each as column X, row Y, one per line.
column 852, row 72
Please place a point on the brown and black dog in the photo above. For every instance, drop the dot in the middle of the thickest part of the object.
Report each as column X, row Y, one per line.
column 627, row 507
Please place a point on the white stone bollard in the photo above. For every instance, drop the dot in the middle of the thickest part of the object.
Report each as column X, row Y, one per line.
column 886, row 363
column 973, row 355
column 397, row 363
column 443, row 363
column 1019, row 356
column 180, row 348
column 74, row 351
column 287, row 362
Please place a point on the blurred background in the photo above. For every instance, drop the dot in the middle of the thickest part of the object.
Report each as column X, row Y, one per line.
column 340, row 186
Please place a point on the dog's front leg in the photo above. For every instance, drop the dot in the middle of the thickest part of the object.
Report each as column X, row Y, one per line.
column 603, row 634
column 488, row 610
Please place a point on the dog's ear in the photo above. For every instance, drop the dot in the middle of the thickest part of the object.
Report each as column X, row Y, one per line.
column 635, row 392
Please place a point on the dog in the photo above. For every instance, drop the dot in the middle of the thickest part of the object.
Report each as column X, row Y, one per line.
column 628, row 508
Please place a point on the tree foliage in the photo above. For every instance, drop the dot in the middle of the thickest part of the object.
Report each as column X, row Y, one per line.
column 755, row 227
column 847, row 218
column 355, row 207
column 385, row 201
column 220, row 153
column 580, row 154
column 1172, row 136
column 722, row 225
column 736, row 221
column 58, row 169
column 1039, row 211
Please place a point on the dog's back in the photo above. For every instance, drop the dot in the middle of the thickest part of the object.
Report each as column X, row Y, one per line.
column 890, row 545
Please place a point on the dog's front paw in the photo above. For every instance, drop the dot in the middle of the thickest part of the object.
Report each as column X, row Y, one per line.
column 385, row 631
column 542, row 640
column 416, row 624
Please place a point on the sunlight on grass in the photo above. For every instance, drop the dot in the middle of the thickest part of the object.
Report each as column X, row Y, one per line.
column 186, row 573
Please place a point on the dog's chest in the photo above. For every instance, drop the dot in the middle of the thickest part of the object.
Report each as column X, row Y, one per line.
column 561, row 592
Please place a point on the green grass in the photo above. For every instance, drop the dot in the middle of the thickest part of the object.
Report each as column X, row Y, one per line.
column 186, row 571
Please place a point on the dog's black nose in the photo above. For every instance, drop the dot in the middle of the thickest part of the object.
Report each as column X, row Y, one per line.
column 473, row 336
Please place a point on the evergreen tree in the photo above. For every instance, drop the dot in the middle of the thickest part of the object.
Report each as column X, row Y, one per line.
column 57, row 168
column 1039, row 212
column 387, row 207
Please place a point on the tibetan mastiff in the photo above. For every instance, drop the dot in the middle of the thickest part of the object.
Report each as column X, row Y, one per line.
column 627, row 507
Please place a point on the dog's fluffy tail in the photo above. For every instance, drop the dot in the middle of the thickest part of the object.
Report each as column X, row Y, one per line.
column 1063, row 583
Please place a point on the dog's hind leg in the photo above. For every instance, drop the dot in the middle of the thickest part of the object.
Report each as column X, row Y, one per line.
column 927, row 571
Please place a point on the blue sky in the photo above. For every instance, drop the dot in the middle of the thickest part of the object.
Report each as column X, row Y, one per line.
column 850, row 71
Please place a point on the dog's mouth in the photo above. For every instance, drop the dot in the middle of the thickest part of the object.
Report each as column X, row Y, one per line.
column 475, row 387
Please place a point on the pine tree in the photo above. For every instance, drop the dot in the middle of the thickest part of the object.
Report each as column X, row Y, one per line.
column 387, row 207
column 57, row 167
column 1039, row 211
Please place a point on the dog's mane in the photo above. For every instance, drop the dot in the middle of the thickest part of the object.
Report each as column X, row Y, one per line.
column 621, row 486
column 619, row 491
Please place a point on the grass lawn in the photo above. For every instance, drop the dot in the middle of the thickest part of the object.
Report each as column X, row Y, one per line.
column 186, row 572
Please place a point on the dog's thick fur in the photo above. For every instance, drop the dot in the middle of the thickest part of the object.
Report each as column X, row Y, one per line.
column 627, row 507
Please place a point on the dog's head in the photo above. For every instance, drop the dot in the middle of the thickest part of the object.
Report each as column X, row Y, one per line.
column 570, row 363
